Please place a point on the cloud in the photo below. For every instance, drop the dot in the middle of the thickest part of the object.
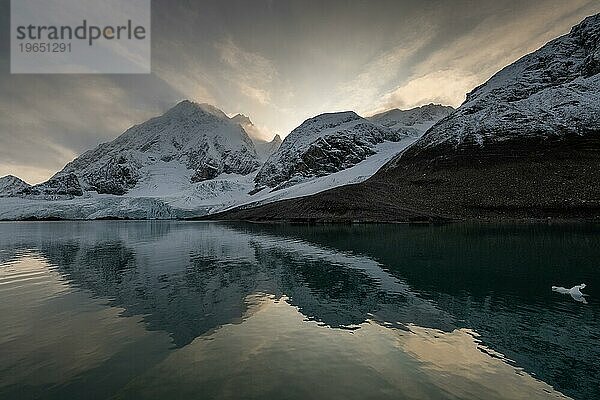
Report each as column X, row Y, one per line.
column 260, row 95
column 251, row 72
column 379, row 74
column 470, row 59
column 446, row 87
column 190, row 84
column 43, row 130
column 258, row 132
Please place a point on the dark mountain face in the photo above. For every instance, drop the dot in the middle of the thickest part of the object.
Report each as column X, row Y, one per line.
column 10, row 185
column 64, row 186
column 557, row 180
column 525, row 145
column 323, row 145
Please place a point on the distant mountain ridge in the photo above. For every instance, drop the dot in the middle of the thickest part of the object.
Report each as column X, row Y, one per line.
column 414, row 121
column 265, row 149
column 194, row 160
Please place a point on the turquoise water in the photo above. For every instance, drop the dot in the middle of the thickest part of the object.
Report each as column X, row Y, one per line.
column 182, row 310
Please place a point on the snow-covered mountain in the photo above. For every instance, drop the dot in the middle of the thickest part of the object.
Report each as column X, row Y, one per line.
column 333, row 142
column 195, row 160
column 551, row 93
column 243, row 120
column 11, row 185
column 524, row 145
column 415, row 121
column 323, row 145
column 195, row 141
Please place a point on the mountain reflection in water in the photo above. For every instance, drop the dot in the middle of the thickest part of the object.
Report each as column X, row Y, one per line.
column 151, row 308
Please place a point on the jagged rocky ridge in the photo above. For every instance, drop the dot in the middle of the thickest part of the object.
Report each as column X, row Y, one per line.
column 265, row 149
column 11, row 185
column 414, row 121
column 526, row 144
column 550, row 94
column 60, row 186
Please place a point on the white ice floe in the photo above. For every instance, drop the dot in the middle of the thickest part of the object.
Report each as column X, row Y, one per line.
column 575, row 292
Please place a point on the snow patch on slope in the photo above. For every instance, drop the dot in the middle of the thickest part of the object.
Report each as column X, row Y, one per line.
column 360, row 172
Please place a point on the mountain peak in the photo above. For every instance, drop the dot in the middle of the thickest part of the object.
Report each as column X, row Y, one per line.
column 191, row 142
column 326, row 120
column 242, row 119
column 276, row 139
column 188, row 108
column 337, row 116
column 589, row 23
column 322, row 145
column 413, row 121
column 11, row 178
column 10, row 185
column 424, row 107
column 183, row 107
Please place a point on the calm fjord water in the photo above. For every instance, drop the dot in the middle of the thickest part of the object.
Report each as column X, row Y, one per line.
column 207, row 310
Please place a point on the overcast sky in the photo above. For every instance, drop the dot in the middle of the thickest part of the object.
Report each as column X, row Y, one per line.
column 277, row 61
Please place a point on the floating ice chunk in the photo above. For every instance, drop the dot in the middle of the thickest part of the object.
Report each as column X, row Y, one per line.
column 575, row 292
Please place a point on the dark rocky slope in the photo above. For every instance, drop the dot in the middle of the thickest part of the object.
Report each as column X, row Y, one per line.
column 11, row 185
